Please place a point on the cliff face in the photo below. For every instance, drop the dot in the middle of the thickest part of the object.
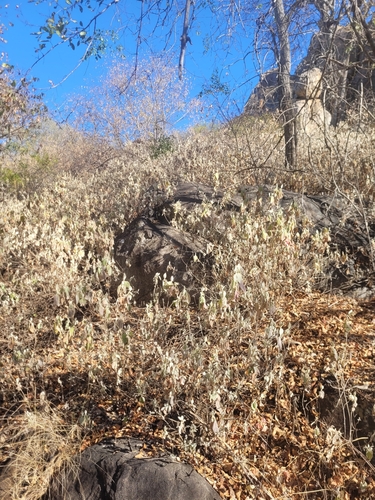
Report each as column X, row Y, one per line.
column 265, row 98
column 348, row 77
column 348, row 74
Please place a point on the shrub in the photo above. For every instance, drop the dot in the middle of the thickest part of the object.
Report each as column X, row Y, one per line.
column 21, row 108
column 143, row 100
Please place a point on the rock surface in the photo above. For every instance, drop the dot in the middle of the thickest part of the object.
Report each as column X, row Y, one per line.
column 348, row 234
column 338, row 410
column 312, row 119
column 265, row 97
column 348, row 78
column 309, row 85
column 117, row 469
column 311, row 116
column 151, row 245
column 147, row 247
column 191, row 194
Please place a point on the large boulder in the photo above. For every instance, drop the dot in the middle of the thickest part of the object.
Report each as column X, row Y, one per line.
column 334, row 50
column 307, row 87
column 312, row 119
column 311, row 116
column 147, row 248
column 309, row 84
column 350, row 234
column 152, row 245
column 117, row 469
column 348, row 74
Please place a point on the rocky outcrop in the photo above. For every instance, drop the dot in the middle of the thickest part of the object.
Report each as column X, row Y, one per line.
column 120, row 469
column 153, row 244
column 309, row 85
column 335, row 51
column 265, row 97
column 311, row 116
column 347, row 68
column 149, row 252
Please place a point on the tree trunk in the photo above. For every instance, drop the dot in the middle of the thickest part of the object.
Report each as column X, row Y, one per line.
column 184, row 39
column 286, row 102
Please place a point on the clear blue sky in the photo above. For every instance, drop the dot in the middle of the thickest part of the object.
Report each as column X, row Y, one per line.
column 23, row 18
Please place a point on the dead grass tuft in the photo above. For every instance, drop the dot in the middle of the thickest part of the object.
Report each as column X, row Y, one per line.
column 38, row 445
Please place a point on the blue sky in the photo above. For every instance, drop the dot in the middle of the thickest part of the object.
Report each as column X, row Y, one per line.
column 23, row 18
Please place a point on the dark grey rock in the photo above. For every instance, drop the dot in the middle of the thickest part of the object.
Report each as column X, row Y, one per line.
column 337, row 409
column 151, row 244
column 110, row 470
column 348, row 234
column 320, row 211
column 148, row 247
column 190, row 195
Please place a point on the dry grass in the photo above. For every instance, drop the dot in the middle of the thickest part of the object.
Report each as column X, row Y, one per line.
column 235, row 385
column 39, row 445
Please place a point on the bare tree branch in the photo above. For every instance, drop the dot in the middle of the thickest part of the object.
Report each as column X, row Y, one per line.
column 184, row 39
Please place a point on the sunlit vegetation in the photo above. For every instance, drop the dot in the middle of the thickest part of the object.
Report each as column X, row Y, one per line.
column 238, row 385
